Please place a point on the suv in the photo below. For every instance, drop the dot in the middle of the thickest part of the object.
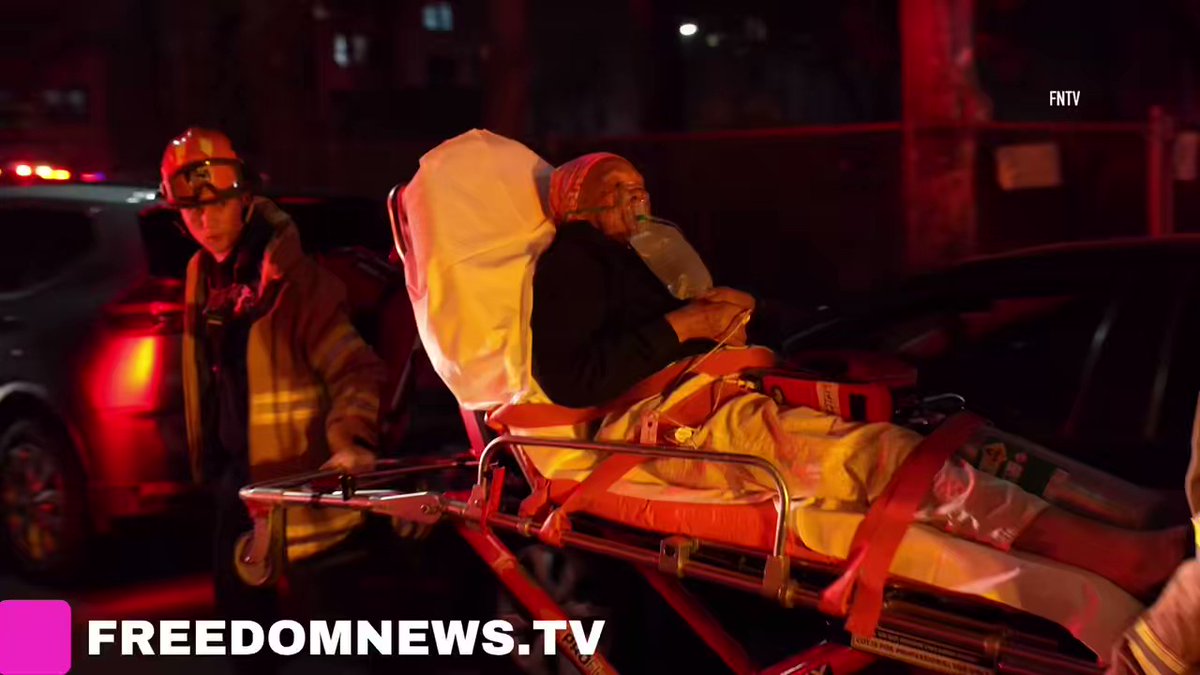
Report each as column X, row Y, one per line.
column 91, row 402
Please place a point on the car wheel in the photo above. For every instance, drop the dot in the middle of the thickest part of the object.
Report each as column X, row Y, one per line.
column 565, row 576
column 42, row 499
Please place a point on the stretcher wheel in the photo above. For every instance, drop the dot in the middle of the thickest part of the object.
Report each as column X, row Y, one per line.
column 256, row 573
column 567, row 578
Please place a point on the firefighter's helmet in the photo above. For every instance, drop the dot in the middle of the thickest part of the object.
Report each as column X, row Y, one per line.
column 201, row 167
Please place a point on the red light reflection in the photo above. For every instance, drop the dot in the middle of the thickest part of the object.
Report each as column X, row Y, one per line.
column 126, row 374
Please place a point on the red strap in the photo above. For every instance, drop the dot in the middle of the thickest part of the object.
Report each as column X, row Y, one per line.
column 609, row 471
column 493, row 500
column 538, row 499
column 539, row 415
column 612, row 468
column 474, row 433
column 693, row 409
column 535, row 415
column 879, row 535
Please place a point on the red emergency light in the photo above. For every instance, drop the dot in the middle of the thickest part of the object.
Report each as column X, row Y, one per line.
column 33, row 171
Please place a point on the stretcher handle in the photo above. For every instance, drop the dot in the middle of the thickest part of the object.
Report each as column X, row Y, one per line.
column 420, row 507
column 781, row 487
column 384, row 469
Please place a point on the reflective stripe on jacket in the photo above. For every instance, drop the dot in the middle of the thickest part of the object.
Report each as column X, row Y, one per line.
column 313, row 384
column 1192, row 482
column 1165, row 640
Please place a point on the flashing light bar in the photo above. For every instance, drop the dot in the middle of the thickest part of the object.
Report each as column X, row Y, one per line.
column 50, row 172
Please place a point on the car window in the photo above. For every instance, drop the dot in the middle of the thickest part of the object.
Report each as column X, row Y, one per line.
column 929, row 336
column 1019, row 361
column 1172, row 429
column 37, row 244
column 327, row 224
column 168, row 246
column 1118, row 402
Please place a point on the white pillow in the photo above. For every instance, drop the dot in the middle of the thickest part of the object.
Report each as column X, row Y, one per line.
column 478, row 220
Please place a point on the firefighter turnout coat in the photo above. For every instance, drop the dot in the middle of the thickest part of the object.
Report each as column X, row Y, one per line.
column 313, row 383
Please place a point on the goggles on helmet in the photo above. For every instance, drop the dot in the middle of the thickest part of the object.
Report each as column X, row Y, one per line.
column 206, row 182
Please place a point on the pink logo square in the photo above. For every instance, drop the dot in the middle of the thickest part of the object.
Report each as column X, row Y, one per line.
column 35, row 637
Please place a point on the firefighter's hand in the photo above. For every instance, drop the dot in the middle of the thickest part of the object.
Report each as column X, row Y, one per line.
column 351, row 459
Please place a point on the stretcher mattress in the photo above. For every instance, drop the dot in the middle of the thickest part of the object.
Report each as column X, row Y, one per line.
column 1092, row 608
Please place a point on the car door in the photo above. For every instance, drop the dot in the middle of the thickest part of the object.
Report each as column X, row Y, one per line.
column 154, row 306
column 1015, row 342
column 1020, row 360
column 1169, row 431
column 1116, row 418
column 39, row 245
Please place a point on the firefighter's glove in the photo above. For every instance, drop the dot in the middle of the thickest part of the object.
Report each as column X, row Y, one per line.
column 350, row 459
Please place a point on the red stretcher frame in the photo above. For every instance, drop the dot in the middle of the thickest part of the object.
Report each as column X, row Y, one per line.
column 989, row 646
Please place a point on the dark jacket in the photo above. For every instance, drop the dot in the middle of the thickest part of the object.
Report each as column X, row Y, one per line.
column 598, row 319
column 225, row 332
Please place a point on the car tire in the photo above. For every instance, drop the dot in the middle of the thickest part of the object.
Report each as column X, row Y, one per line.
column 43, row 501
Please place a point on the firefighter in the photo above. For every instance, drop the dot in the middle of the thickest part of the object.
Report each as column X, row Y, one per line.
column 1165, row 639
column 276, row 380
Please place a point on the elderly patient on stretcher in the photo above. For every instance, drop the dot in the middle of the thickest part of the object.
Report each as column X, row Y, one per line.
column 603, row 321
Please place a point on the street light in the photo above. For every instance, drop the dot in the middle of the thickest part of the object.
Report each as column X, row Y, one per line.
column 688, row 29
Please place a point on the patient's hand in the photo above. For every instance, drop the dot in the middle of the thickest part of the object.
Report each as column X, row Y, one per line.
column 707, row 320
column 730, row 295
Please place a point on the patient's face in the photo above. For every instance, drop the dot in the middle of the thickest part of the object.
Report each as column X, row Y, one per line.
column 625, row 196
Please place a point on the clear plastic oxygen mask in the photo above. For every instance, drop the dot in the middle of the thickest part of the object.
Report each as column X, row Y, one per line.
column 668, row 254
column 660, row 244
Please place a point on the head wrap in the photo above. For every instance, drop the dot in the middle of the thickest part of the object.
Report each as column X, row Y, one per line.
column 570, row 187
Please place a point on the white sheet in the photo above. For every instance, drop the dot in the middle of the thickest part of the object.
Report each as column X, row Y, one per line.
column 1091, row 607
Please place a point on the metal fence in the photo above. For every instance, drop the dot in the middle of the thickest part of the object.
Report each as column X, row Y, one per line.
column 800, row 213
column 804, row 212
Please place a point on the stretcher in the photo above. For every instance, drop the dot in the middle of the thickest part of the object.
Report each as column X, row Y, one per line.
column 799, row 558
column 897, row 591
